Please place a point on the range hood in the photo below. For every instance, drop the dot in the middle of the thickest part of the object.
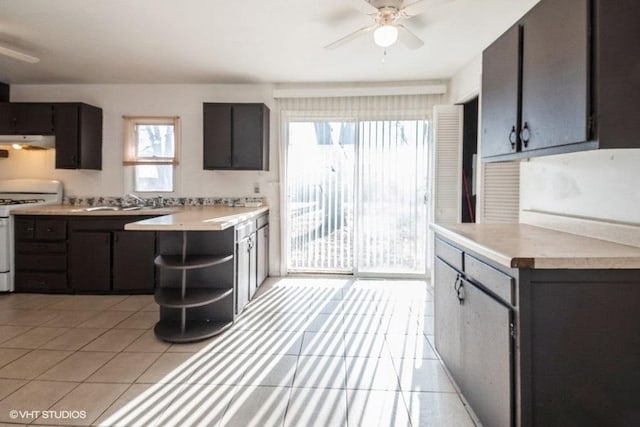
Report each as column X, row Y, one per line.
column 28, row 142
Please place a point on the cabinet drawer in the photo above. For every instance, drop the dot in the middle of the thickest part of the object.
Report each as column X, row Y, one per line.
column 452, row 255
column 41, row 247
column 245, row 229
column 50, row 229
column 262, row 221
column 25, row 228
column 492, row 279
column 41, row 262
column 41, row 281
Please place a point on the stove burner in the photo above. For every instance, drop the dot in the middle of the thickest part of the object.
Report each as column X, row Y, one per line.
column 19, row 202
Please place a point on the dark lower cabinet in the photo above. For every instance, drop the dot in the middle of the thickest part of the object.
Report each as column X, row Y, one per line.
column 133, row 273
column 90, row 254
column 252, row 249
column 40, row 255
column 243, row 272
column 538, row 347
column 90, row 263
column 262, row 253
column 474, row 341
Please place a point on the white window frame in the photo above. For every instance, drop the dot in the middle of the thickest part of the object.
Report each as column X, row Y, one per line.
column 130, row 147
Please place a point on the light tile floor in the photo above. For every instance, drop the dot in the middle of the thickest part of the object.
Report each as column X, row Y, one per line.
column 305, row 352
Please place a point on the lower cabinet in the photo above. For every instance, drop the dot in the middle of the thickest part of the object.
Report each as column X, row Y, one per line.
column 206, row 278
column 120, row 262
column 474, row 340
column 40, row 255
column 133, row 254
column 538, row 347
column 252, row 252
column 90, row 254
column 262, row 253
column 90, row 263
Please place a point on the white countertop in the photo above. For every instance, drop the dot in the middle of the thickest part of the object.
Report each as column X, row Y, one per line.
column 81, row 211
column 198, row 218
column 183, row 218
column 527, row 246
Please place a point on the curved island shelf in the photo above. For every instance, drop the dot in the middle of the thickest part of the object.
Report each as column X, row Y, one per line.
column 196, row 292
column 178, row 262
column 169, row 330
column 194, row 297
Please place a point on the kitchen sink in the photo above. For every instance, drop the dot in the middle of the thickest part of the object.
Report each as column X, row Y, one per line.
column 112, row 208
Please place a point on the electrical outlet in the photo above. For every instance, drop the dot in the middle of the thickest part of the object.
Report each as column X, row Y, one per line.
column 256, row 188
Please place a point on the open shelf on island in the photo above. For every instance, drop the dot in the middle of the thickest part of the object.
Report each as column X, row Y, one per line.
column 194, row 296
column 178, row 262
column 194, row 330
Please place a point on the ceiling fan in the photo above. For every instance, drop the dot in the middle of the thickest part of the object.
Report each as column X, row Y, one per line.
column 15, row 54
column 386, row 29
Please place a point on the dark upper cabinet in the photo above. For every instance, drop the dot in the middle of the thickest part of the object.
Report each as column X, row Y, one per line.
column 555, row 75
column 236, row 136
column 577, row 65
column 501, row 94
column 78, row 130
column 26, row 118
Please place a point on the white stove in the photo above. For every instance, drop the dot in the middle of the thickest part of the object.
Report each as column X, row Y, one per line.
column 20, row 194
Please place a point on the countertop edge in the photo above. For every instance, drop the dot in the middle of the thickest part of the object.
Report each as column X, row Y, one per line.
column 548, row 261
column 174, row 222
column 502, row 259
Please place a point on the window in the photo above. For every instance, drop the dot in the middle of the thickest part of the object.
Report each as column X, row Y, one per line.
column 151, row 147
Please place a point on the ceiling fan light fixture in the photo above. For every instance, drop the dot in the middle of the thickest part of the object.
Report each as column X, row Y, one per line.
column 385, row 35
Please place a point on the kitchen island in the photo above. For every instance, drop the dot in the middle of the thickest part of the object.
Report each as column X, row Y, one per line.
column 203, row 263
column 539, row 327
column 211, row 260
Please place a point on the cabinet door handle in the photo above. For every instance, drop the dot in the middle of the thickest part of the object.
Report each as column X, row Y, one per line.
column 458, row 286
column 525, row 135
column 513, row 137
column 461, row 293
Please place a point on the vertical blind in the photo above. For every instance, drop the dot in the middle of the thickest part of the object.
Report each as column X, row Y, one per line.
column 384, row 159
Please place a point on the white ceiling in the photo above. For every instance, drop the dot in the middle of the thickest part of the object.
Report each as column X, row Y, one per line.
column 236, row 41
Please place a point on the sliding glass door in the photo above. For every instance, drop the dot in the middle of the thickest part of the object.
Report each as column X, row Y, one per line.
column 356, row 196
column 391, row 197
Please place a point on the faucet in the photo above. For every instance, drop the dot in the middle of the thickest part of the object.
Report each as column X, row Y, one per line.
column 158, row 202
column 139, row 200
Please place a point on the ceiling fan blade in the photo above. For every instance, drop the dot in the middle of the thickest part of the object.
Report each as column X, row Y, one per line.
column 18, row 55
column 413, row 9
column 346, row 39
column 408, row 38
column 363, row 6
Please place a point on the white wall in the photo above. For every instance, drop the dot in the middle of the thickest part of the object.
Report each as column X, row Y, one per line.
column 154, row 100
column 466, row 83
column 602, row 185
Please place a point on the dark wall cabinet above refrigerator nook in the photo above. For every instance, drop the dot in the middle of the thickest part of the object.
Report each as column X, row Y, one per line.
column 563, row 79
column 77, row 128
column 236, row 136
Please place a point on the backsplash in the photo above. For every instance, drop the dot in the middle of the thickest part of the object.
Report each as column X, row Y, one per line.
column 162, row 201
